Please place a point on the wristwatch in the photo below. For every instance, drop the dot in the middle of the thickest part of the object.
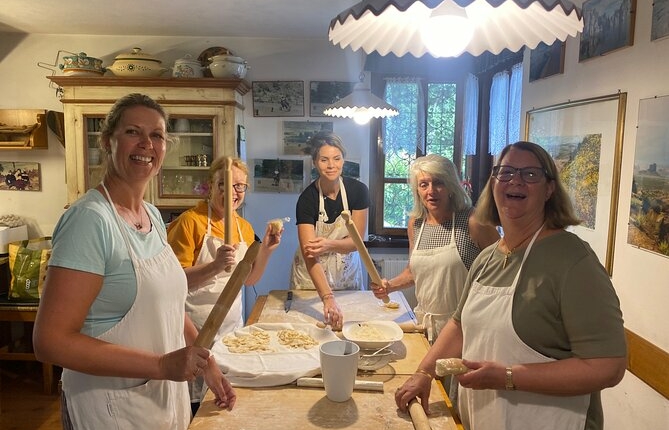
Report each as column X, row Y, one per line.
column 509, row 379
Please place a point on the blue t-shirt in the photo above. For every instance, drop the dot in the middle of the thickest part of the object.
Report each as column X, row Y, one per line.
column 87, row 238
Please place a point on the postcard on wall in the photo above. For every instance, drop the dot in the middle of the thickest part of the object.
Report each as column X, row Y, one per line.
column 648, row 226
column 278, row 98
column 278, row 175
column 296, row 134
column 20, row 176
column 324, row 93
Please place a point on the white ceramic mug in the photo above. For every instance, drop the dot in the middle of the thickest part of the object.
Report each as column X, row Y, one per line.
column 339, row 366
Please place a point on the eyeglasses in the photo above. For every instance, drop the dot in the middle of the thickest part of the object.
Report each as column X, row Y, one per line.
column 240, row 188
column 530, row 175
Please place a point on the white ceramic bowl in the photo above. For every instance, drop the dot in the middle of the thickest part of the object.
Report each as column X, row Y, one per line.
column 227, row 66
column 367, row 361
column 137, row 64
column 372, row 334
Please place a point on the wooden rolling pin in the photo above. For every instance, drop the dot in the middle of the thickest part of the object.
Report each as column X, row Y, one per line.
column 359, row 385
column 227, row 194
column 420, row 421
column 364, row 254
column 407, row 326
column 210, row 327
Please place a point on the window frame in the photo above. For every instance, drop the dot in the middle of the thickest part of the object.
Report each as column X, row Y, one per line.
column 377, row 155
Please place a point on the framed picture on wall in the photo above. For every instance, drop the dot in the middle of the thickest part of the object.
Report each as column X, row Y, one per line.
column 20, row 176
column 546, row 60
column 660, row 26
column 278, row 175
column 323, row 93
column 608, row 25
column 648, row 226
column 278, row 98
column 585, row 138
column 296, row 134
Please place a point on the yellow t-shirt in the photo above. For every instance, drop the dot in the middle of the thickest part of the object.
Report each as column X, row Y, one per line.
column 186, row 233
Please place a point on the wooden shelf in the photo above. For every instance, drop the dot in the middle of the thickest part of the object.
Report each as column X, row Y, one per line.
column 23, row 129
column 240, row 85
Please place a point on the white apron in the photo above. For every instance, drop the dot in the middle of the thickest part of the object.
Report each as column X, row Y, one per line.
column 200, row 302
column 342, row 271
column 155, row 323
column 439, row 275
column 488, row 334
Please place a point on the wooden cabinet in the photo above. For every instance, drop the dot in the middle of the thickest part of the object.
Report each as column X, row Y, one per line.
column 204, row 114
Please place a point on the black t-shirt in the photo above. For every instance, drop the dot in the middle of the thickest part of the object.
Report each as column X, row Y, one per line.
column 357, row 194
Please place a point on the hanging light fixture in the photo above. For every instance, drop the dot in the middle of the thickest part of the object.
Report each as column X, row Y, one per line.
column 361, row 105
column 448, row 28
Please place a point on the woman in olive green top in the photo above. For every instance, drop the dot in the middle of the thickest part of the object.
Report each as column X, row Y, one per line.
column 539, row 325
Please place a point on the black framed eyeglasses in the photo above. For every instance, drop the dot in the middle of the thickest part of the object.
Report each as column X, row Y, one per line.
column 530, row 175
column 240, row 188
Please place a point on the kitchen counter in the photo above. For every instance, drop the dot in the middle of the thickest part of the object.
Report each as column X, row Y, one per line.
column 290, row 406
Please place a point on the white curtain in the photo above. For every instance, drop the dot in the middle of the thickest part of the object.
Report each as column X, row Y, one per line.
column 499, row 103
column 471, row 109
column 515, row 96
column 505, row 100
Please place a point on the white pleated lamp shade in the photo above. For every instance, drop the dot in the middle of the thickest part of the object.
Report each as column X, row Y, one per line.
column 361, row 105
column 401, row 26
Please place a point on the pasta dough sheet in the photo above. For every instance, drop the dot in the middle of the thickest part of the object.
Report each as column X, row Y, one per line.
column 275, row 363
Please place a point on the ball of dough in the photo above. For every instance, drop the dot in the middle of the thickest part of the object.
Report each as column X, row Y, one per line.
column 450, row 366
column 275, row 225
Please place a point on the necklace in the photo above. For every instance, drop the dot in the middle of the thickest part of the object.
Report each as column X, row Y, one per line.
column 137, row 224
column 508, row 253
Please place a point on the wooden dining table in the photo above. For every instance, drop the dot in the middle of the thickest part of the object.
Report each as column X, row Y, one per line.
column 290, row 406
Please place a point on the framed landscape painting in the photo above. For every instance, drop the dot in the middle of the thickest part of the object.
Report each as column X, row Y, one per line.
column 660, row 25
column 608, row 25
column 648, row 226
column 585, row 139
column 278, row 98
column 546, row 60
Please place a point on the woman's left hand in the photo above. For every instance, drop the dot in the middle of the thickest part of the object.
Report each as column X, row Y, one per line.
column 317, row 246
column 225, row 396
column 483, row 375
column 272, row 240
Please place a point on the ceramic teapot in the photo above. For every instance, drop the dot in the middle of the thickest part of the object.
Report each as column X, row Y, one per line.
column 137, row 64
column 187, row 67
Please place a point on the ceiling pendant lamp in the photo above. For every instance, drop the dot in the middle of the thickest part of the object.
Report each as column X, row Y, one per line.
column 449, row 28
column 361, row 105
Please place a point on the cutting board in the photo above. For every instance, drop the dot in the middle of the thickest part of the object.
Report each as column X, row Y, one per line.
column 307, row 408
column 356, row 306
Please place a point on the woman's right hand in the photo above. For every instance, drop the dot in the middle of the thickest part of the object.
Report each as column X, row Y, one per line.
column 332, row 314
column 381, row 291
column 184, row 364
column 418, row 385
column 225, row 256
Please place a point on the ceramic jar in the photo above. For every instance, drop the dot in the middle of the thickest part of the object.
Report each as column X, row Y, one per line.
column 137, row 64
column 81, row 64
column 228, row 66
column 187, row 67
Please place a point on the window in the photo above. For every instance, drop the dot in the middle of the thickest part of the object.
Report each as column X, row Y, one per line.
column 426, row 125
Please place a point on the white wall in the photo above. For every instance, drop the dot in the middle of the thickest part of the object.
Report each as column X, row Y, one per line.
column 640, row 277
